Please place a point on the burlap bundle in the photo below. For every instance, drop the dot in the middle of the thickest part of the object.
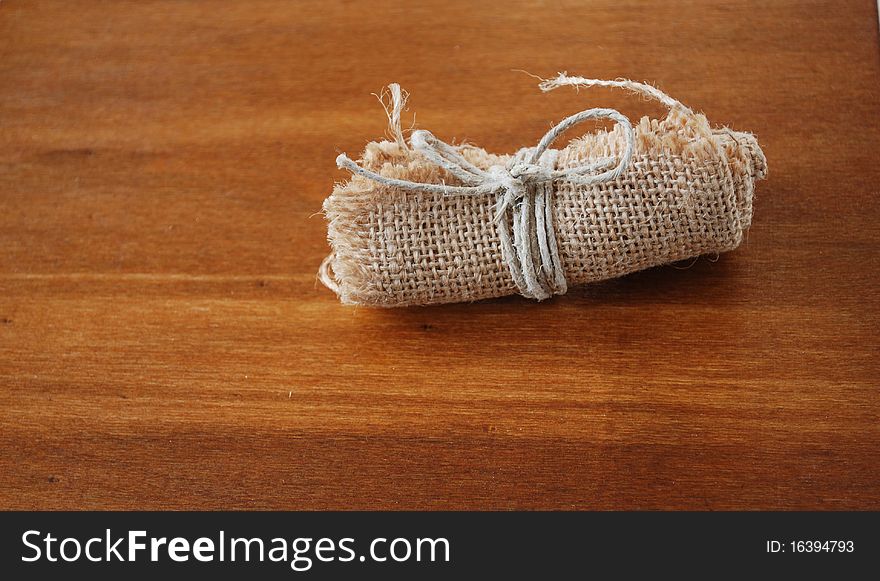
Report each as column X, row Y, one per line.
column 685, row 191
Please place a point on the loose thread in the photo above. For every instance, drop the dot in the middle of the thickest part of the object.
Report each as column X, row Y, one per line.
column 324, row 274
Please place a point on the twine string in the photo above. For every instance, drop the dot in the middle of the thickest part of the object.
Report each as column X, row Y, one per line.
column 523, row 188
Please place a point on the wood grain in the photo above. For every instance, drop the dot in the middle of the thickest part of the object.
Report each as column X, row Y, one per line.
column 163, row 343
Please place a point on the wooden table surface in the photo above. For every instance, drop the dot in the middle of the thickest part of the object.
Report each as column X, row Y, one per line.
column 164, row 344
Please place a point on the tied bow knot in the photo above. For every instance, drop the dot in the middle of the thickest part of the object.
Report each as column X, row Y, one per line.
column 524, row 170
column 511, row 183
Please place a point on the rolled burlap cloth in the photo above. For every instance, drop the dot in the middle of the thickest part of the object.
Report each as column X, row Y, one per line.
column 424, row 222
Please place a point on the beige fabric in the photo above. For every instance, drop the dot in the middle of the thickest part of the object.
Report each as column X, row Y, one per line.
column 687, row 192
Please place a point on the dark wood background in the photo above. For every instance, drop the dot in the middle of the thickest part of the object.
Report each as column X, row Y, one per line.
column 163, row 342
